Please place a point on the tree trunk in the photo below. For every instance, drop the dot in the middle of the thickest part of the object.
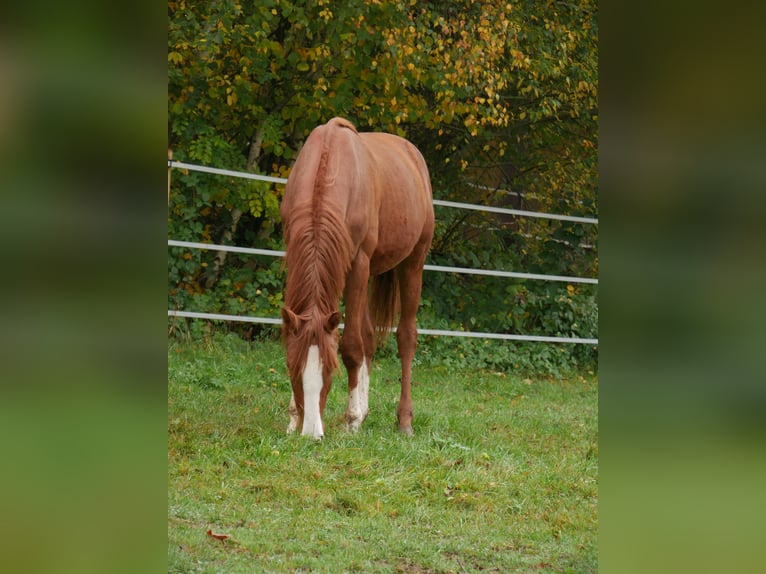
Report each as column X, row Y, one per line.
column 255, row 149
column 220, row 258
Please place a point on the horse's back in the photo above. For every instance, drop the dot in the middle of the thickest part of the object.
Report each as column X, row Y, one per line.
column 379, row 180
column 403, row 189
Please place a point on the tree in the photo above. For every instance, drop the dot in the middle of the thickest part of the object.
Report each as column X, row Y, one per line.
column 501, row 97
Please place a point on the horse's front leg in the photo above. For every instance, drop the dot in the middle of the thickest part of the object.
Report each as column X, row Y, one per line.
column 295, row 417
column 356, row 345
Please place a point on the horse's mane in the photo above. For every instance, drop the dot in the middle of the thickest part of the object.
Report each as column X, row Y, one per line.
column 318, row 256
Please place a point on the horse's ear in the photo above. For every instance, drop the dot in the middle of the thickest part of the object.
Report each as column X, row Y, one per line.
column 333, row 320
column 290, row 320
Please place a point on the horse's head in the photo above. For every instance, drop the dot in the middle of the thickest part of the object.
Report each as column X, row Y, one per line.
column 311, row 344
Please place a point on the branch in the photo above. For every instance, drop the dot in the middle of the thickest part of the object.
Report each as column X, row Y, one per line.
column 255, row 149
column 575, row 7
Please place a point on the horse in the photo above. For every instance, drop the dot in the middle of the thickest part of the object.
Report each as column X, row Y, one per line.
column 357, row 205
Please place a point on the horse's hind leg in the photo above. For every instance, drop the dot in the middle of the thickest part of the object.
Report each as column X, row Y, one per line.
column 410, row 274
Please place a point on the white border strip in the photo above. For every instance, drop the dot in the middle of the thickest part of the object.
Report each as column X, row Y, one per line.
column 510, row 274
column 433, row 332
column 231, row 248
column 220, row 317
column 465, row 270
column 515, row 211
column 520, row 212
column 215, row 170
column 536, row 338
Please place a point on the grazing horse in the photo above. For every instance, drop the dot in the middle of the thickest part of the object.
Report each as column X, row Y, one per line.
column 356, row 205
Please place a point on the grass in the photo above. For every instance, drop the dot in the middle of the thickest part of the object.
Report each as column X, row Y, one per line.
column 501, row 475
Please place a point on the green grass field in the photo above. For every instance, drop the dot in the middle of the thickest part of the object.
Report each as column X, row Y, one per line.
column 501, row 475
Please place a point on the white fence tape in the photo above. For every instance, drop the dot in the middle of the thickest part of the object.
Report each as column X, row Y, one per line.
column 487, row 208
column 217, row 171
column 230, row 248
column 427, row 267
column 435, row 332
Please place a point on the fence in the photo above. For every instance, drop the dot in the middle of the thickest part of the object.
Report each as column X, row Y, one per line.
column 427, row 267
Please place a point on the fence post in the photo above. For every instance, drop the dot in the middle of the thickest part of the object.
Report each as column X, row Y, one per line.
column 170, row 159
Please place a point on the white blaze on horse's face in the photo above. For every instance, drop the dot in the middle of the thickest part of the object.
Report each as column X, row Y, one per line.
column 312, row 388
column 358, row 399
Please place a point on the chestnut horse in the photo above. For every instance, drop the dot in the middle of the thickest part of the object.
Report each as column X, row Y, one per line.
column 356, row 205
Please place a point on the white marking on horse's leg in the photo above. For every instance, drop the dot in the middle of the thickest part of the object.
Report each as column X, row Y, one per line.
column 358, row 399
column 312, row 387
column 294, row 415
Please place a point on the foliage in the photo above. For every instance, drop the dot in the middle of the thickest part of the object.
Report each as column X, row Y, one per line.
column 500, row 476
column 499, row 96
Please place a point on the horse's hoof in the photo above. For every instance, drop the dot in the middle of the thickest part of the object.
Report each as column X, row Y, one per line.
column 406, row 430
column 353, row 426
column 354, row 423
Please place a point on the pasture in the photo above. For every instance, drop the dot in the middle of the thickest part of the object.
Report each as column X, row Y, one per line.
column 501, row 474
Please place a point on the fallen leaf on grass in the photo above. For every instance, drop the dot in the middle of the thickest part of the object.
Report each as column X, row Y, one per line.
column 218, row 536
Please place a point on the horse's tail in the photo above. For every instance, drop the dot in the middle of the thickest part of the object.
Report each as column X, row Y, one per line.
column 384, row 304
